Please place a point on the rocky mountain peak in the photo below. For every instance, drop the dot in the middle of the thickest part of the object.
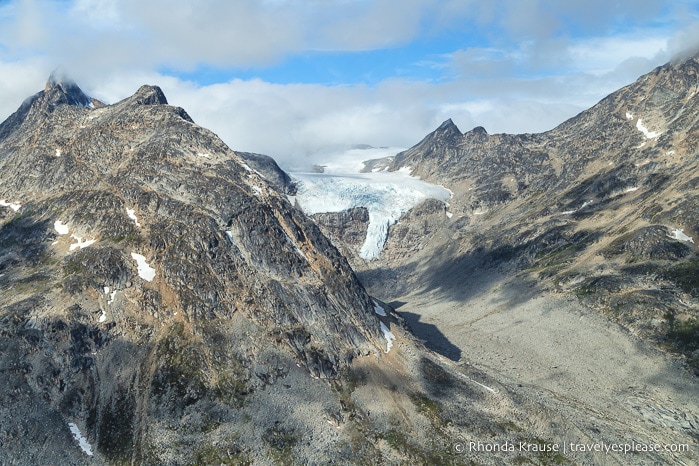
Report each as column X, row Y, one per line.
column 61, row 89
column 479, row 130
column 448, row 125
column 149, row 95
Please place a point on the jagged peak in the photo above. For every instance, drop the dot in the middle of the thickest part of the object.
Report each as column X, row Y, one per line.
column 149, row 95
column 448, row 125
column 479, row 130
column 65, row 90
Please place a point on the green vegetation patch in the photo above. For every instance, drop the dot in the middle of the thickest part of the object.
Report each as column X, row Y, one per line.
column 281, row 441
column 686, row 276
column 208, row 454
column 179, row 379
column 684, row 337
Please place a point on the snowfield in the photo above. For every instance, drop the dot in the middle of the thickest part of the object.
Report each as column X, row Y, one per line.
column 145, row 271
column 386, row 195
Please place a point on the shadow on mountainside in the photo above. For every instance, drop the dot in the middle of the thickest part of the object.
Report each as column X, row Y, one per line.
column 431, row 336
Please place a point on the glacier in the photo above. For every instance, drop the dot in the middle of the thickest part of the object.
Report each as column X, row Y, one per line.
column 386, row 195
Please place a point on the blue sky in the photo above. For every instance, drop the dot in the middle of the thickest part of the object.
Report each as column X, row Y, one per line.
column 300, row 78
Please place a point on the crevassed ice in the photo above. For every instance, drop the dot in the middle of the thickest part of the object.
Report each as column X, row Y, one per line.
column 386, row 195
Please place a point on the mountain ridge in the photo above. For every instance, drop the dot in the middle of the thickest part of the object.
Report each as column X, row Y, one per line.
column 615, row 183
column 163, row 303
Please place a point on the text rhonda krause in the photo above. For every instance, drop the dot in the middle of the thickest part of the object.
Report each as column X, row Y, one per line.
column 574, row 447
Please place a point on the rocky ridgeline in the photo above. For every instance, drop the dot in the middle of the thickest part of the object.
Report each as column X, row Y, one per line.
column 148, row 271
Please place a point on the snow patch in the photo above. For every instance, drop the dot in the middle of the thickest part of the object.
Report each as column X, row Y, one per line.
column 257, row 190
column 632, row 189
column 82, row 441
column 629, row 116
column 449, row 215
column 145, row 271
column 644, row 130
column 11, row 205
column 58, row 153
column 103, row 317
column 389, row 336
column 111, row 296
column 378, row 309
column 201, row 154
column 80, row 243
column 679, row 235
column 60, row 228
column 132, row 215
column 229, row 234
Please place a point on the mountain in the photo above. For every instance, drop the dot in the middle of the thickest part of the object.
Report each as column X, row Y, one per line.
column 565, row 260
column 149, row 272
column 162, row 302
column 605, row 205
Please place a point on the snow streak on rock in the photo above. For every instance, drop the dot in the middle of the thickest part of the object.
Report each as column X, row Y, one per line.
column 378, row 309
column 389, row 337
column 82, row 441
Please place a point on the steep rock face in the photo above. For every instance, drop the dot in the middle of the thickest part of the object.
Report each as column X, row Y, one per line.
column 148, row 272
column 346, row 229
column 267, row 167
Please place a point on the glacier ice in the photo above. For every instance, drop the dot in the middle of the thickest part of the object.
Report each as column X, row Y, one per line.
column 386, row 195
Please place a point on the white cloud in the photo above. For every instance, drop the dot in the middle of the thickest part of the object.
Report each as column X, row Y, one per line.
column 602, row 54
column 516, row 69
